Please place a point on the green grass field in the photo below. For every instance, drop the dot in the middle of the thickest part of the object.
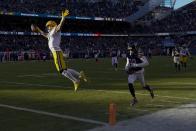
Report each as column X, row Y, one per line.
column 36, row 85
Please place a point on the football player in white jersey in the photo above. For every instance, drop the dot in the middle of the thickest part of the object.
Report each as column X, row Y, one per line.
column 54, row 40
column 176, row 58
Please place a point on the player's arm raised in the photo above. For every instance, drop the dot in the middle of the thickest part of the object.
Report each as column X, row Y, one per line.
column 64, row 14
column 42, row 32
column 35, row 28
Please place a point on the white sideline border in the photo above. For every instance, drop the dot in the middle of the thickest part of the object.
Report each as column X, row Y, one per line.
column 53, row 114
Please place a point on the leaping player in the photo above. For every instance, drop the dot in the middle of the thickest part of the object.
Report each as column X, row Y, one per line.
column 135, row 69
column 54, row 40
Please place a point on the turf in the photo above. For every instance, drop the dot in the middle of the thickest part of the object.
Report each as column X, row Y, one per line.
column 37, row 85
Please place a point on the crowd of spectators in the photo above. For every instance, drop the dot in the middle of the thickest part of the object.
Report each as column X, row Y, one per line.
column 181, row 20
column 99, row 8
column 13, row 47
column 36, row 47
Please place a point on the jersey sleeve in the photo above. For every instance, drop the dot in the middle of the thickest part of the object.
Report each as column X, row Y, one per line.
column 144, row 62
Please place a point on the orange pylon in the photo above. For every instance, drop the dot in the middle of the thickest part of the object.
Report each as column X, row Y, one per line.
column 112, row 114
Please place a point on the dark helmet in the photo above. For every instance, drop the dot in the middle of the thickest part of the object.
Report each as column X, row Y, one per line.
column 132, row 49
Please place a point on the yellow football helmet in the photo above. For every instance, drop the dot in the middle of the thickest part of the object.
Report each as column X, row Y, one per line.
column 51, row 23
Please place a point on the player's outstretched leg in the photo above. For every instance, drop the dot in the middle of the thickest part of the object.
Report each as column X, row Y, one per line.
column 132, row 91
column 150, row 89
column 70, row 75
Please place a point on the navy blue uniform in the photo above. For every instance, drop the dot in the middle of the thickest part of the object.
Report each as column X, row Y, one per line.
column 134, row 59
column 114, row 53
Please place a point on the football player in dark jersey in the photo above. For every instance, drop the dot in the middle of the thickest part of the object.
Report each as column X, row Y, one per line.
column 176, row 55
column 136, row 62
column 114, row 54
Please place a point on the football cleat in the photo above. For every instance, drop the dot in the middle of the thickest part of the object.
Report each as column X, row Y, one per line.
column 150, row 89
column 133, row 102
column 152, row 93
column 83, row 76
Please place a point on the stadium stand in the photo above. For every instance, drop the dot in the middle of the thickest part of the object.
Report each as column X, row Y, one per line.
column 101, row 8
column 180, row 20
column 183, row 19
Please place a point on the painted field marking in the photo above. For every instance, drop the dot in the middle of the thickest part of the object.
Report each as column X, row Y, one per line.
column 142, row 110
column 30, row 84
column 38, row 75
column 119, row 92
column 173, row 97
column 173, row 102
column 159, row 105
column 53, row 114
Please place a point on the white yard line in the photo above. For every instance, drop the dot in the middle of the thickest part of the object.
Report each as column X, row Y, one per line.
column 142, row 110
column 155, row 105
column 53, row 114
column 173, row 97
column 173, row 83
column 119, row 92
column 173, row 102
column 38, row 75
column 30, row 84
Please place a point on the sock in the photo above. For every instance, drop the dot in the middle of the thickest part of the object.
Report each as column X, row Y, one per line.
column 131, row 89
column 175, row 64
column 69, row 76
column 147, row 87
column 116, row 65
column 74, row 73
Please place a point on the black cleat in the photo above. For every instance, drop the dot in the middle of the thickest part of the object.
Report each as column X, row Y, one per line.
column 133, row 102
column 150, row 89
column 151, row 93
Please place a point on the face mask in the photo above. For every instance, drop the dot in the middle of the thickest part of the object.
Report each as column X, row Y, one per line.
column 131, row 52
column 48, row 30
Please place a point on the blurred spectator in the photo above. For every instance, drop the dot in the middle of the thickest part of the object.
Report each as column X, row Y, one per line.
column 102, row 8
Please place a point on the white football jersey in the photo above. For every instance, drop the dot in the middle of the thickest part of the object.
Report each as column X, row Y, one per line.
column 54, row 40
